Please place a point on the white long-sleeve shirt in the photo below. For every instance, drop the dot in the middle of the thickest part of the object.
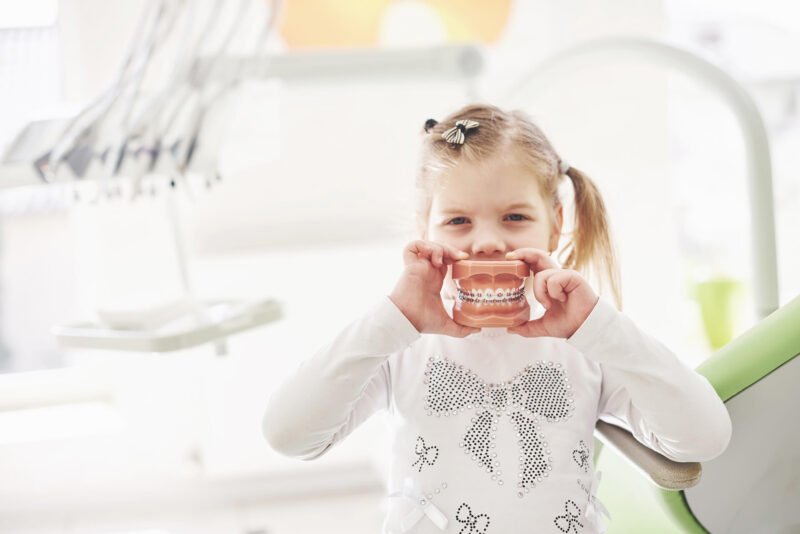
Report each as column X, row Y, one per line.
column 495, row 431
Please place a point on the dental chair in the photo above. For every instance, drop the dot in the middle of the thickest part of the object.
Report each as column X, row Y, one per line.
column 754, row 486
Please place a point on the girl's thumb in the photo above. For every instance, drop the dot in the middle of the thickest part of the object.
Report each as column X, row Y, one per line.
column 468, row 330
column 456, row 330
column 533, row 328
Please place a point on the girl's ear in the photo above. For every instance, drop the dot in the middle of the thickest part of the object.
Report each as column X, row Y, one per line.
column 556, row 232
column 422, row 230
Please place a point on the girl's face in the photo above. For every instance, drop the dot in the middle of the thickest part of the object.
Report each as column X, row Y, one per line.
column 490, row 208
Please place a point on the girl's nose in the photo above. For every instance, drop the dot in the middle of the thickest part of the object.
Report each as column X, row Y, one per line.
column 489, row 247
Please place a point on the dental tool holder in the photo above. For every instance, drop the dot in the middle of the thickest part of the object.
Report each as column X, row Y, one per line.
column 183, row 322
column 209, row 321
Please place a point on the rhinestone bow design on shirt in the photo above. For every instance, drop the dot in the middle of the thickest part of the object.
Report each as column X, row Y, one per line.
column 570, row 519
column 581, row 456
column 425, row 454
column 473, row 524
column 538, row 392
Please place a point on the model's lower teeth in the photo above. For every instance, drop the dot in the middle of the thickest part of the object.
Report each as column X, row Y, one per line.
column 490, row 296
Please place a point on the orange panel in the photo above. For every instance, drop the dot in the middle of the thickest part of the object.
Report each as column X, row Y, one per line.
column 331, row 23
column 473, row 20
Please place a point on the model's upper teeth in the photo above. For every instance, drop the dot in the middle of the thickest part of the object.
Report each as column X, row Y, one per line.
column 489, row 295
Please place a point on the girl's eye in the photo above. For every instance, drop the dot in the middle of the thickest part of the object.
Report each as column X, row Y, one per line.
column 518, row 215
column 453, row 221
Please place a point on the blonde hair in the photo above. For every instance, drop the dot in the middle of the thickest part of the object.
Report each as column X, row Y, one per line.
column 589, row 249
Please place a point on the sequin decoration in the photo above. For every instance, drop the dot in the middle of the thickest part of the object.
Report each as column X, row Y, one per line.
column 534, row 465
column 499, row 397
column 543, row 390
column 569, row 521
column 478, row 440
column 538, row 393
column 581, row 456
column 425, row 454
column 452, row 388
column 473, row 524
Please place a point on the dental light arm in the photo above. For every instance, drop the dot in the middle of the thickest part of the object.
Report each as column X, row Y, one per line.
column 741, row 104
column 662, row 471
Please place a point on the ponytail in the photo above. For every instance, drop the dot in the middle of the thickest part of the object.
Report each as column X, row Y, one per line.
column 590, row 249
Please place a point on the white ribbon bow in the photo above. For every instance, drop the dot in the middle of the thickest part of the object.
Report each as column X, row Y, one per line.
column 596, row 509
column 422, row 507
column 455, row 134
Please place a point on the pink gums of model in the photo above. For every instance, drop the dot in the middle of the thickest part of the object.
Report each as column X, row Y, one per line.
column 491, row 293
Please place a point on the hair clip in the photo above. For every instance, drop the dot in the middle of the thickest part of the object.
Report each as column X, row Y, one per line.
column 455, row 134
column 429, row 124
column 563, row 167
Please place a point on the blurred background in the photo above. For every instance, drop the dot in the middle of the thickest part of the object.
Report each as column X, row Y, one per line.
column 196, row 195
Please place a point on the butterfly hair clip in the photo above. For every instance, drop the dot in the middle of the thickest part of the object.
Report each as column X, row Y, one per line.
column 456, row 134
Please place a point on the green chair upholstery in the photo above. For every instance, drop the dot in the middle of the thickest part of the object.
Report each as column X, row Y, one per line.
column 754, row 486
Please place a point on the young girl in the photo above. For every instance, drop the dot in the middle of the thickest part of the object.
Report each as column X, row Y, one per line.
column 493, row 428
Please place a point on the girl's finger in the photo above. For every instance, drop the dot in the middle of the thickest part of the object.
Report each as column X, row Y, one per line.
column 538, row 259
column 413, row 251
column 418, row 249
column 540, row 291
column 453, row 254
column 437, row 256
column 561, row 284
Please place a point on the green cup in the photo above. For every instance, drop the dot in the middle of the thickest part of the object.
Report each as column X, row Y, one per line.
column 719, row 300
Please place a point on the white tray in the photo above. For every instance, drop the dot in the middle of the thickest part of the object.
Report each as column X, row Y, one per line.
column 213, row 321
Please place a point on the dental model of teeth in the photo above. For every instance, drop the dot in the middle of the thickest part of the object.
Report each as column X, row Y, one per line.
column 490, row 293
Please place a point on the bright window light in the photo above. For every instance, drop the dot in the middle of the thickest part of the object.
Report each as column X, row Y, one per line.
column 59, row 422
column 28, row 14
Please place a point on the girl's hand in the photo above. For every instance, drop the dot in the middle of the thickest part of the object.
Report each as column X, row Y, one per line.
column 418, row 292
column 567, row 297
